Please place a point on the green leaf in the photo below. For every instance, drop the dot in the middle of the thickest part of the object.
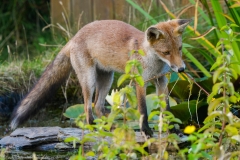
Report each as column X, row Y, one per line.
column 90, row 154
column 141, row 52
column 71, row 139
column 217, row 63
column 131, row 96
column 181, row 110
column 139, row 80
column 231, row 130
column 233, row 25
column 176, row 120
column 217, row 74
column 88, row 139
column 213, row 105
column 206, row 126
column 128, row 67
column 123, row 156
column 122, row 78
column 216, row 87
column 206, row 155
column 132, row 114
column 74, row 111
column 236, row 137
column 230, row 88
column 233, row 99
column 168, row 113
column 224, row 28
column 213, row 115
column 117, row 98
column 139, row 68
column 152, row 114
column 210, row 97
column 233, row 73
column 104, row 133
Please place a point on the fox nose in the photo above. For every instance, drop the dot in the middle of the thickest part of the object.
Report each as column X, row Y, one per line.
column 181, row 69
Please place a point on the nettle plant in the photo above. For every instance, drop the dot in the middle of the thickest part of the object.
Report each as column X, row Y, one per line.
column 133, row 72
column 122, row 143
column 219, row 137
column 116, row 125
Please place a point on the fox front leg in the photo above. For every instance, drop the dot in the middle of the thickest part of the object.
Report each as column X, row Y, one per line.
column 161, row 88
column 142, row 107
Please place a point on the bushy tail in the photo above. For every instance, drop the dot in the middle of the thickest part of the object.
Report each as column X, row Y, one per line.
column 55, row 74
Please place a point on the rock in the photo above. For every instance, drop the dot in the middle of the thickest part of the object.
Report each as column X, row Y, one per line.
column 26, row 137
column 35, row 132
column 70, row 132
column 73, row 132
column 51, row 140
column 63, row 146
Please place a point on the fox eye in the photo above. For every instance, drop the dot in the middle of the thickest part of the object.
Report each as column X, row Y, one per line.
column 166, row 53
column 180, row 48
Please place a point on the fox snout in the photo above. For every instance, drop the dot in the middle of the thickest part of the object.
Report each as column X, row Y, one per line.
column 181, row 69
column 178, row 69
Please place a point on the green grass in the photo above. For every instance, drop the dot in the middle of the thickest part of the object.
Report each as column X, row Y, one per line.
column 20, row 74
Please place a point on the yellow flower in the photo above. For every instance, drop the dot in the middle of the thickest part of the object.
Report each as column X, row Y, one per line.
column 189, row 129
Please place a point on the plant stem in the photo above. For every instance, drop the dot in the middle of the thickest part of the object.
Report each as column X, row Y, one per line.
column 225, row 105
column 196, row 84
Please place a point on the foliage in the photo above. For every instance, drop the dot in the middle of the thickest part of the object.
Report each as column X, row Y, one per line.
column 221, row 20
column 20, row 30
column 26, row 48
column 2, row 156
column 204, row 42
column 123, row 137
column 218, row 137
column 220, row 133
column 124, row 144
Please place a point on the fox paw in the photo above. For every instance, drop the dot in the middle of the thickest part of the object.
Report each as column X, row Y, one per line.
column 90, row 120
column 146, row 130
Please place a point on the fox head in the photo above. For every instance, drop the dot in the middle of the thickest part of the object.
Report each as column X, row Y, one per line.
column 165, row 40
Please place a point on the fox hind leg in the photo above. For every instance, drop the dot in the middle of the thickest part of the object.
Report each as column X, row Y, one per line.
column 103, row 85
column 87, row 82
column 87, row 78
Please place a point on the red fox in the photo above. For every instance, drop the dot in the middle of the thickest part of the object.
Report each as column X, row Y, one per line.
column 97, row 51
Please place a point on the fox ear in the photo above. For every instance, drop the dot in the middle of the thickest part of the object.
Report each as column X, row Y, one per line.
column 153, row 34
column 182, row 25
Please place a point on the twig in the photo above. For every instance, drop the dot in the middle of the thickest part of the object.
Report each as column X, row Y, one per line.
column 196, row 83
column 157, row 76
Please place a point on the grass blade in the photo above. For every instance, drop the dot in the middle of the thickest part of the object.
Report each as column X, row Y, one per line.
column 137, row 7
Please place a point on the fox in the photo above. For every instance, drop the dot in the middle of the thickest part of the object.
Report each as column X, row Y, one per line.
column 99, row 49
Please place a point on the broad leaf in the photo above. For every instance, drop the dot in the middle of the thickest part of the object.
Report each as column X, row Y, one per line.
column 74, row 111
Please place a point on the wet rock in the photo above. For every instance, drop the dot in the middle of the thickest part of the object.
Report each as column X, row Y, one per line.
column 73, row 132
column 35, row 132
column 49, row 140
column 32, row 136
